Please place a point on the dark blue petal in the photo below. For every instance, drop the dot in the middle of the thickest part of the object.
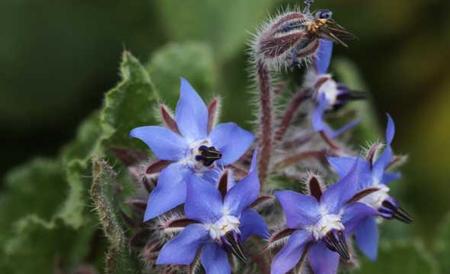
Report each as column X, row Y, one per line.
column 231, row 140
column 345, row 128
column 337, row 194
column 252, row 224
column 215, row 260
column 300, row 210
column 191, row 113
column 323, row 57
column 366, row 234
column 203, row 201
column 386, row 157
column 318, row 123
column 291, row 252
column 342, row 165
column 254, row 163
column 170, row 191
column 390, row 130
column 322, row 259
column 164, row 143
column 382, row 163
column 388, row 177
column 354, row 214
column 183, row 248
column 242, row 194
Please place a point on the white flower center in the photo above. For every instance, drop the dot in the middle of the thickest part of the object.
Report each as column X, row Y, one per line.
column 324, row 84
column 193, row 151
column 375, row 199
column 224, row 225
column 330, row 89
column 326, row 223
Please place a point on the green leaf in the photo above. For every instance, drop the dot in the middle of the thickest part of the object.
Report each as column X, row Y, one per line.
column 442, row 245
column 36, row 188
column 107, row 206
column 224, row 25
column 400, row 257
column 193, row 61
column 76, row 159
column 29, row 227
column 25, row 186
column 130, row 104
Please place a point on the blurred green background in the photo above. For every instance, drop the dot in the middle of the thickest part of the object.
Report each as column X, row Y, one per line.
column 59, row 57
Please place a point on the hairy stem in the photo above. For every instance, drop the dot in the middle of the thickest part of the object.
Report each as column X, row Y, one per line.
column 266, row 135
column 291, row 160
column 289, row 114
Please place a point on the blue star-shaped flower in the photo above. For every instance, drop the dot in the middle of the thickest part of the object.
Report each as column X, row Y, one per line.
column 374, row 180
column 192, row 149
column 222, row 222
column 318, row 224
column 328, row 93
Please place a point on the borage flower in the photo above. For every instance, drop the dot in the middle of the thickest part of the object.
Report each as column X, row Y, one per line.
column 318, row 224
column 220, row 220
column 189, row 145
column 327, row 93
column 374, row 180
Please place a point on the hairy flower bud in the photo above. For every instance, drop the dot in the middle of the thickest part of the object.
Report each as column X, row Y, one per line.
column 292, row 37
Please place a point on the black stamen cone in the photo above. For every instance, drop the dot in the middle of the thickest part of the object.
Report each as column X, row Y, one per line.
column 396, row 212
column 208, row 155
column 235, row 247
column 335, row 241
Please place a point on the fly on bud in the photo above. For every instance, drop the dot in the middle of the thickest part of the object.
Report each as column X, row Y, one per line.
column 292, row 37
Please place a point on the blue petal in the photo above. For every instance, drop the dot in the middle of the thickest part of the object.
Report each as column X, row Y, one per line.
column 342, row 165
column 231, row 140
column 366, row 234
column 215, row 260
column 170, row 191
column 390, row 130
column 337, row 194
column 388, row 177
column 322, row 259
column 318, row 123
column 242, row 194
column 323, row 57
column 164, row 143
column 203, row 201
column 252, row 224
column 183, row 248
column 299, row 209
column 254, row 163
column 191, row 113
column 382, row 163
column 354, row 214
column 345, row 128
column 291, row 252
column 386, row 157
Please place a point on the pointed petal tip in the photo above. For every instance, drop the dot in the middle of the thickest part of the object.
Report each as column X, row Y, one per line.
column 390, row 129
column 254, row 163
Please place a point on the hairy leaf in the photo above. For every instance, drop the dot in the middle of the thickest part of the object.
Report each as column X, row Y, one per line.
column 29, row 226
column 104, row 197
column 130, row 104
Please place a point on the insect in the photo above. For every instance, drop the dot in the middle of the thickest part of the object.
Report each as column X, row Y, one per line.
column 293, row 36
